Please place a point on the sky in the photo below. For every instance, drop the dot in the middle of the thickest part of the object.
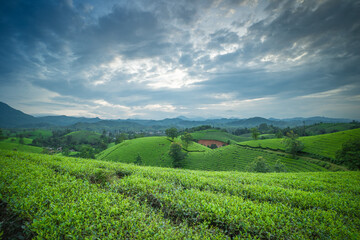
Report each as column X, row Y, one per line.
column 167, row 58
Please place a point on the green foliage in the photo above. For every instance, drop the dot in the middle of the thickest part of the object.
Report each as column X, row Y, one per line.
column 279, row 166
column 176, row 154
column 171, row 133
column 67, row 198
column 87, row 152
column 292, row 144
column 138, row 160
column 153, row 150
column 255, row 133
column 349, row 155
column 19, row 147
column 120, row 138
column 186, row 138
column 213, row 146
column 279, row 134
column 216, row 134
column 259, row 165
column 325, row 145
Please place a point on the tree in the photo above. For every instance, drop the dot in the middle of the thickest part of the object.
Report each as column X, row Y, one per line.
column 258, row 165
column 213, row 146
column 171, row 133
column 292, row 144
column 255, row 133
column 186, row 138
column 263, row 127
column 120, row 138
column 279, row 134
column 21, row 141
column 349, row 154
column 138, row 159
column 87, row 152
column 176, row 154
column 279, row 166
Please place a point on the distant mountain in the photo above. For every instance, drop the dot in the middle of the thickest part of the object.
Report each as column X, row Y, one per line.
column 313, row 120
column 66, row 121
column 255, row 121
column 10, row 117
column 108, row 125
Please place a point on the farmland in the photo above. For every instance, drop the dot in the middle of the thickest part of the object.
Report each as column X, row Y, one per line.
column 78, row 198
column 154, row 151
column 325, row 145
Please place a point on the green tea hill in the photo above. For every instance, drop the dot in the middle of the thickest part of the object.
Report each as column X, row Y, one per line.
column 154, row 151
column 325, row 145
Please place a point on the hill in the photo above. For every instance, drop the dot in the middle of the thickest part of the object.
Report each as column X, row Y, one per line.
column 325, row 145
column 6, row 145
column 78, row 137
column 215, row 134
column 10, row 117
column 66, row 121
column 322, row 128
column 64, row 198
column 154, row 152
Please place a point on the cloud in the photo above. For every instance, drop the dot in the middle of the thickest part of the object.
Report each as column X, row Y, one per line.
column 167, row 58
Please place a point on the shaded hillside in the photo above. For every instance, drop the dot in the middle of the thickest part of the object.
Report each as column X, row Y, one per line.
column 66, row 121
column 10, row 117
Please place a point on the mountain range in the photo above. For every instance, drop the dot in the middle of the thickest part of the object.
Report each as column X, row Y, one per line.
column 12, row 118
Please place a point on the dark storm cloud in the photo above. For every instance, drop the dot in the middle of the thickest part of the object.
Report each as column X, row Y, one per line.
column 329, row 32
column 186, row 54
column 26, row 27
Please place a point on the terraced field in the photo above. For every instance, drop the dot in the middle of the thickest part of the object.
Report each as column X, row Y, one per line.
column 68, row 198
column 322, row 145
column 236, row 158
column 154, row 152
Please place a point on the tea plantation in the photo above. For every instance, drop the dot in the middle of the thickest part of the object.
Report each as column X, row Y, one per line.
column 154, row 151
column 68, row 198
column 325, row 145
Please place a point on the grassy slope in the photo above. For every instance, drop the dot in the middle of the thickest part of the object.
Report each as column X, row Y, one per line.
column 81, row 136
column 19, row 147
column 37, row 133
column 323, row 145
column 79, row 198
column 154, row 152
column 17, row 140
column 331, row 127
column 215, row 134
